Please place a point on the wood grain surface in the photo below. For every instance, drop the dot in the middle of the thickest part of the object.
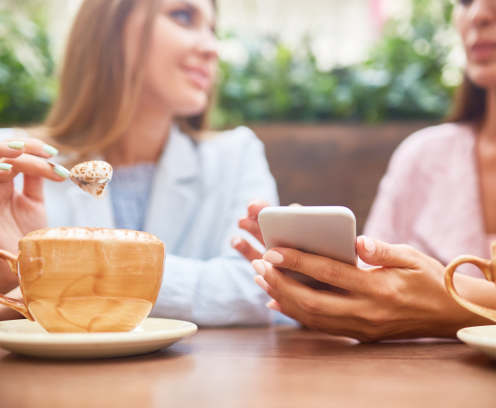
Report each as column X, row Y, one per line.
column 261, row 367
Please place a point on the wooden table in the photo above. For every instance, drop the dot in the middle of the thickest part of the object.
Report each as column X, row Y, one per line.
column 262, row 367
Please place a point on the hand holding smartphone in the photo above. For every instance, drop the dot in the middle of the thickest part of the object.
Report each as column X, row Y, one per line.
column 324, row 231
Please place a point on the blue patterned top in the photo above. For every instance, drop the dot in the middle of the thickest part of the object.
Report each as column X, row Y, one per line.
column 130, row 190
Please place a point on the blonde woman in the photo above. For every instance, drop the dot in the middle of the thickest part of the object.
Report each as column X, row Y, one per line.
column 135, row 87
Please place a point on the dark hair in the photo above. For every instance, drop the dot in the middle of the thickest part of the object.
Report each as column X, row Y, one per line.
column 469, row 103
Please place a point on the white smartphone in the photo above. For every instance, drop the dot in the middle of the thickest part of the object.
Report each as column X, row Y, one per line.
column 324, row 231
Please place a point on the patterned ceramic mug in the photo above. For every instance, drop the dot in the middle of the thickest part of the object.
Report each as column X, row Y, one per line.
column 488, row 268
column 87, row 279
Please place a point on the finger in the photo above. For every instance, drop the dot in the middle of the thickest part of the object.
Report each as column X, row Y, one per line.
column 254, row 208
column 311, row 300
column 245, row 248
column 377, row 253
column 33, row 146
column 323, row 269
column 5, row 172
column 33, row 187
column 12, row 149
column 260, row 281
column 331, row 325
column 35, row 166
column 274, row 305
column 252, row 226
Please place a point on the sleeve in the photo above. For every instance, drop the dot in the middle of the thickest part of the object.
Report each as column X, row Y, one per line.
column 220, row 291
column 401, row 193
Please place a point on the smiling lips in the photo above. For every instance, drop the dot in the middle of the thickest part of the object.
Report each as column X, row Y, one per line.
column 483, row 50
column 200, row 77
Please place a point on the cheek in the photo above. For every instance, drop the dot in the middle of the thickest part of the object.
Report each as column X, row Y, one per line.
column 462, row 26
column 170, row 49
column 481, row 74
column 164, row 56
column 459, row 20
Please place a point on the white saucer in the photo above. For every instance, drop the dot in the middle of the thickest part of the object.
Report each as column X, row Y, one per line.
column 25, row 337
column 483, row 338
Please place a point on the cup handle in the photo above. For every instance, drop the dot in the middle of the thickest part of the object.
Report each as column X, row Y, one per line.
column 17, row 305
column 487, row 270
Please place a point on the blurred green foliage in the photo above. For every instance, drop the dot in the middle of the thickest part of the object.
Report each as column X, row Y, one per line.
column 27, row 86
column 408, row 75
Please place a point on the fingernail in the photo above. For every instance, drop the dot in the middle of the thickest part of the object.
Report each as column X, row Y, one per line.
column 61, row 171
column 259, row 267
column 273, row 257
column 369, row 244
column 236, row 241
column 16, row 145
column 271, row 304
column 260, row 281
column 52, row 151
column 5, row 166
column 251, row 202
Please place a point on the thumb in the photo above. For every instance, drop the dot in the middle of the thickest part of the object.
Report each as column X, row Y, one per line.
column 255, row 206
column 377, row 253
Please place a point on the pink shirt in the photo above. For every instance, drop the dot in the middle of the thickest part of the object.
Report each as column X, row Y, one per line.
column 430, row 197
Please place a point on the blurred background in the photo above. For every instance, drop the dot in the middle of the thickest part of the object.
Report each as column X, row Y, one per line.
column 331, row 86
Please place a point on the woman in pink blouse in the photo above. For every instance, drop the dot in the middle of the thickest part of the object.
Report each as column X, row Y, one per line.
column 439, row 193
column 438, row 196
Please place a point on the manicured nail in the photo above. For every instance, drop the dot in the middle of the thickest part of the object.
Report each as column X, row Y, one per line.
column 236, row 241
column 52, row 151
column 260, row 281
column 61, row 171
column 251, row 202
column 16, row 145
column 272, row 304
column 259, row 266
column 273, row 257
column 5, row 166
column 369, row 244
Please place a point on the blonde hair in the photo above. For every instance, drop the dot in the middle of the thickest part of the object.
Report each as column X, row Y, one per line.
column 98, row 91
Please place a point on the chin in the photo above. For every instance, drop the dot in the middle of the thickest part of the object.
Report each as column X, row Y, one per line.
column 483, row 76
column 192, row 106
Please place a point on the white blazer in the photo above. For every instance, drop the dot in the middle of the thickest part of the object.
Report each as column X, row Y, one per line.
column 199, row 192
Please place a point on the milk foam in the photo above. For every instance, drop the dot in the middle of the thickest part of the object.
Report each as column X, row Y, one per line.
column 82, row 233
column 92, row 177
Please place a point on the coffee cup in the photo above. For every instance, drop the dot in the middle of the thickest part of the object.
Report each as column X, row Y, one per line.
column 488, row 268
column 87, row 279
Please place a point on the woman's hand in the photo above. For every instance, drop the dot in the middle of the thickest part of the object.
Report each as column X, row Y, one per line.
column 22, row 211
column 250, row 224
column 404, row 296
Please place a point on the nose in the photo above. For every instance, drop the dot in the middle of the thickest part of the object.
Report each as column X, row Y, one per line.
column 483, row 13
column 209, row 45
